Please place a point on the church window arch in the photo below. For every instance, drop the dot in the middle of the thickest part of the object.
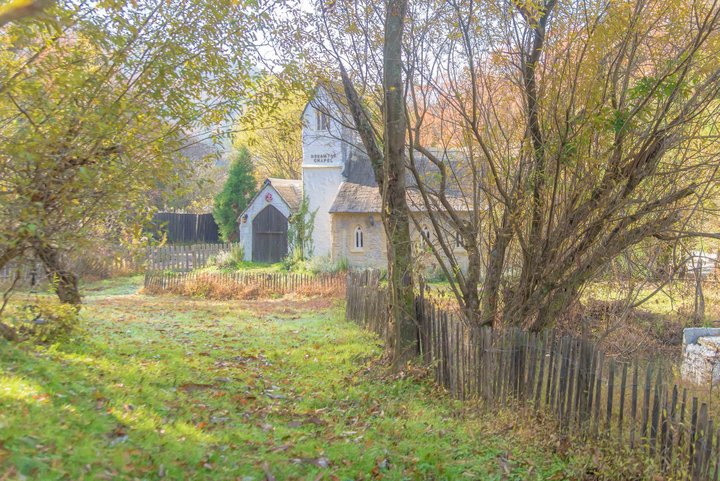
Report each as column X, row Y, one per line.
column 425, row 235
column 359, row 238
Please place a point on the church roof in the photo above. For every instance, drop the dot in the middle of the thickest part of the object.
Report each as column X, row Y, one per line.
column 360, row 199
column 356, row 198
column 290, row 190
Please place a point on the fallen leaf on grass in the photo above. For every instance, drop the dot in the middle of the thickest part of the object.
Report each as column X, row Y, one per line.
column 321, row 462
column 315, row 420
column 274, row 396
column 191, row 386
column 282, row 448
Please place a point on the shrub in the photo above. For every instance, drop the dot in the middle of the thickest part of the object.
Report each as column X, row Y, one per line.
column 295, row 260
column 45, row 322
column 231, row 259
column 325, row 265
column 435, row 274
column 237, row 254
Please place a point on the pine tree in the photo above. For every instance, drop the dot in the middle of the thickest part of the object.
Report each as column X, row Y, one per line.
column 235, row 196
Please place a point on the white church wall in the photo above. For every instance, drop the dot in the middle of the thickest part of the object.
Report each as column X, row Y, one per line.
column 321, row 186
column 323, row 162
column 261, row 201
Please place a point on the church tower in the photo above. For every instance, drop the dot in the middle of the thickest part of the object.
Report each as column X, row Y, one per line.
column 323, row 161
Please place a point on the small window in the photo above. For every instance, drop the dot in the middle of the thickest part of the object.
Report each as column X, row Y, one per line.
column 458, row 240
column 425, row 234
column 322, row 121
column 359, row 241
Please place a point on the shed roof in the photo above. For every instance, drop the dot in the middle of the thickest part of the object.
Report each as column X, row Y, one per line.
column 290, row 190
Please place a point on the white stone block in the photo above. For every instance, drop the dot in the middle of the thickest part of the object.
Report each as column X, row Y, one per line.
column 701, row 355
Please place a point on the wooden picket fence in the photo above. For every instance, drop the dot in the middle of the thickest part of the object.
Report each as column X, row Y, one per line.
column 184, row 258
column 636, row 406
column 279, row 283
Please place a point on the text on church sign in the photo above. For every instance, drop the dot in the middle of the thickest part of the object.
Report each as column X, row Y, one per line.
column 326, row 158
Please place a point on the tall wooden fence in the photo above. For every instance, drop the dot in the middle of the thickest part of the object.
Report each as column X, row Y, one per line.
column 27, row 274
column 267, row 283
column 184, row 258
column 633, row 405
column 185, row 228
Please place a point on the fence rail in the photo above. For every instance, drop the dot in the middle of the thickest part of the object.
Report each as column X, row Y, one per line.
column 184, row 258
column 92, row 264
column 267, row 283
column 636, row 406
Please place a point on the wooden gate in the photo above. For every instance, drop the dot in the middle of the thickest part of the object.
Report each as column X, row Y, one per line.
column 270, row 236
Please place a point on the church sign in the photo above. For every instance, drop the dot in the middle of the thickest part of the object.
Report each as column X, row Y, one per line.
column 325, row 158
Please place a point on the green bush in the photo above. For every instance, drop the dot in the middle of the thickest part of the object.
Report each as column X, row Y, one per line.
column 231, row 259
column 325, row 265
column 435, row 274
column 295, row 260
column 45, row 322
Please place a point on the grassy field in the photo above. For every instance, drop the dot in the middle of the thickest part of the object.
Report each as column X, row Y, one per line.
column 281, row 389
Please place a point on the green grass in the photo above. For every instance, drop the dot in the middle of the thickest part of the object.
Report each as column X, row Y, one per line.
column 191, row 389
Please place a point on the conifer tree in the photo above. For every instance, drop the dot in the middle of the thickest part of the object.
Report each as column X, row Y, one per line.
column 235, row 196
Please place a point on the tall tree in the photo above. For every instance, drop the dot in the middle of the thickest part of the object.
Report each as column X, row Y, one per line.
column 563, row 135
column 95, row 105
column 274, row 136
column 612, row 144
column 235, row 195
column 395, row 208
column 384, row 141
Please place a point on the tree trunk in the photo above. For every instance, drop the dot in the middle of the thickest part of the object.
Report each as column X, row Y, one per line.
column 8, row 255
column 396, row 210
column 470, row 286
column 65, row 281
column 496, row 263
column 699, row 307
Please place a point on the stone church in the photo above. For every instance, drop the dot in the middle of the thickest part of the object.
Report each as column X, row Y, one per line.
column 339, row 183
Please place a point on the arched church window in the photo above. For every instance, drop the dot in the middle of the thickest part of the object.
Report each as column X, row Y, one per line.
column 322, row 120
column 359, row 241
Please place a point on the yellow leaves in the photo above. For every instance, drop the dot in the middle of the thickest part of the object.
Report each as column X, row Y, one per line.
column 18, row 9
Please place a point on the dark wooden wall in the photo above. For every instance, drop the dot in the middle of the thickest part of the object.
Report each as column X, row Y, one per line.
column 185, row 228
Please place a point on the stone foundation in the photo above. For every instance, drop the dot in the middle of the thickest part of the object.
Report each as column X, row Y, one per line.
column 701, row 355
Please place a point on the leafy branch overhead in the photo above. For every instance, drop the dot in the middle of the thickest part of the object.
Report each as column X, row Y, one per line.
column 98, row 109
